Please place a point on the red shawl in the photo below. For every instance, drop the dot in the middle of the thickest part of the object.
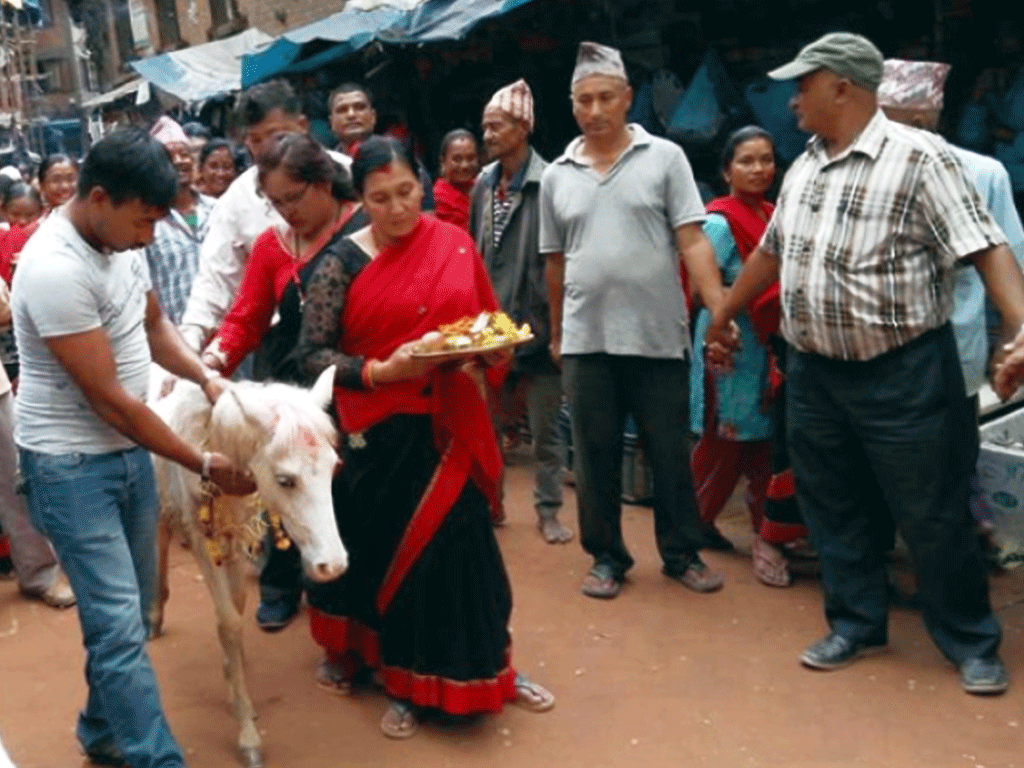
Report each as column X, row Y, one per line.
column 11, row 243
column 432, row 276
column 451, row 204
column 747, row 227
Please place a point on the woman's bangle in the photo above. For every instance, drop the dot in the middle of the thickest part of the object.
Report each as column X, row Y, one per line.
column 210, row 376
column 367, row 374
column 205, row 472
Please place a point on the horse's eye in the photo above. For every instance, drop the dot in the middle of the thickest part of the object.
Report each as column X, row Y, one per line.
column 285, row 481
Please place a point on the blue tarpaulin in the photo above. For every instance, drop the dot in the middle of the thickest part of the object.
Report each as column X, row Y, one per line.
column 202, row 71
column 367, row 21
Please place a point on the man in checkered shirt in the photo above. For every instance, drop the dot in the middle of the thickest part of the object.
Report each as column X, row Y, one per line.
column 871, row 222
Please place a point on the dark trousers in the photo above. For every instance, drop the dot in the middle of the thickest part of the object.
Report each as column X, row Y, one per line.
column 900, row 423
column 602, row 389
column 281, row 577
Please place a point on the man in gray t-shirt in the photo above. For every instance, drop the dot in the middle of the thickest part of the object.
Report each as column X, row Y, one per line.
column 87, row 322
column 618, row 208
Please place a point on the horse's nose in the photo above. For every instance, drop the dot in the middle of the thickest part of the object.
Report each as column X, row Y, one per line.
column 329, row 570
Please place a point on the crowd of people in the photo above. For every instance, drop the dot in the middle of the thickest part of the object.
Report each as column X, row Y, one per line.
column 828, row 349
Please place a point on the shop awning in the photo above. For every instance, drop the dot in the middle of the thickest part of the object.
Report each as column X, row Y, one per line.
column 132, row 87
column 202, row 71
column 367, row 21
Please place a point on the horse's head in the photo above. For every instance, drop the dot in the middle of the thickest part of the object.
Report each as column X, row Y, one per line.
column 285, row 437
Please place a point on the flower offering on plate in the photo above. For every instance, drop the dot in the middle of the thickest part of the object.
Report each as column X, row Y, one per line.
column 474, row 335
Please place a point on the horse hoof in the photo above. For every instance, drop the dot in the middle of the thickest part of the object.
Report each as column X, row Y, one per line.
column 252, row 757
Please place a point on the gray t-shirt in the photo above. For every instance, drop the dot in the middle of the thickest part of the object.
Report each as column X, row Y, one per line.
column 63, row 286
column 623, row 291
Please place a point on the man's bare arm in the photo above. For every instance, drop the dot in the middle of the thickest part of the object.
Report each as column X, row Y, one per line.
column 89, row 361
column 170, row 351
column 554, row 277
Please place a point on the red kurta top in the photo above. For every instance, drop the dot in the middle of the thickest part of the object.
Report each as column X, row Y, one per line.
column 271, row 266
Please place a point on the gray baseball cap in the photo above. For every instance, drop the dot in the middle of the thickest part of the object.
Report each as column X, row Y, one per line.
column 851, row 56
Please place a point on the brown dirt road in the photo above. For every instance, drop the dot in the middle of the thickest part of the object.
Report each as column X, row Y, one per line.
column 658, row 677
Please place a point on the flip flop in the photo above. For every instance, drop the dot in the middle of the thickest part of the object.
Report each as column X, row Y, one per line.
column 333, row 678
column 399, row 721
column 531, row 696
column 770, row 565
column 601, row 583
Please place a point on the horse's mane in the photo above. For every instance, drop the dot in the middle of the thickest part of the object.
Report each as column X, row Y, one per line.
column 287, row 413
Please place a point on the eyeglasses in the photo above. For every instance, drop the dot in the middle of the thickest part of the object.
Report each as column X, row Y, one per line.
column 289, row 201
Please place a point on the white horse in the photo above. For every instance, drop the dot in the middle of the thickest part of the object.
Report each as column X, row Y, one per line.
column 284, row 436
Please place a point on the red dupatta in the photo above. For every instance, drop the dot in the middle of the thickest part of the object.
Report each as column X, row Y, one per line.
column 747, row 226
column 432, row 276
column 451, row 203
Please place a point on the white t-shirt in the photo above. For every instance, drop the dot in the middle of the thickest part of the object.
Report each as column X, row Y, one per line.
column 63, row 286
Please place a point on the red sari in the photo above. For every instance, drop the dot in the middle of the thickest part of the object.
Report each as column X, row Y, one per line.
column 426, row 601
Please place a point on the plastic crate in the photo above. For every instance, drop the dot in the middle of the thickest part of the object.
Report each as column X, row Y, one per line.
column 1001, row 477
column 637, row 480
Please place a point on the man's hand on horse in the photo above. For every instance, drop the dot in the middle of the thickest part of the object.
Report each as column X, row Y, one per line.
column 229, row 478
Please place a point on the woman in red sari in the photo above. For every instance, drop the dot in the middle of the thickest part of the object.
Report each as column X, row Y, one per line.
column 426, row 600
column 739, row 413
column 460, row 163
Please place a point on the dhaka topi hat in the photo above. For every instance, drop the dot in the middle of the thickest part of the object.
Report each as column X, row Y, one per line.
column 913, row 84
column 596, row 59
column 848, row 55
column 167, row 131
column 516, row 101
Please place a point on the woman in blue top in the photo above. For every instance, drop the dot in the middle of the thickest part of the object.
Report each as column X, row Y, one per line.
column 731, row 410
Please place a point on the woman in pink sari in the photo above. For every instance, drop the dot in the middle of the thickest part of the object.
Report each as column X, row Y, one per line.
column 426, row 600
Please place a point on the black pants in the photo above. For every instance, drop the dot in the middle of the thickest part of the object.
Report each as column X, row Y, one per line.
column 281, row 577
column 602, row 389
column 900, row 423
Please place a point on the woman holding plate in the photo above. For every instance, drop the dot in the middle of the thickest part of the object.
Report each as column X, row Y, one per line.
column 426, row 600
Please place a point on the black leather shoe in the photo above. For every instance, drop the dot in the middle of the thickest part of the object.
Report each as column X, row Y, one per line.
column 984, row 676
column 836, row 651
column 274, row 615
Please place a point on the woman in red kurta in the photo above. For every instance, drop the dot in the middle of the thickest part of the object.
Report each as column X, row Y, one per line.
column 426, row 600
column 315, row 198
column 460, row 163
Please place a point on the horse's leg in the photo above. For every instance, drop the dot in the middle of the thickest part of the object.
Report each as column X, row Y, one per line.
column 163, row 589
column 229, row 629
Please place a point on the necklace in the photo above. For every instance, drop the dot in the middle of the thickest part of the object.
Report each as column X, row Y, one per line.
column 344, row 213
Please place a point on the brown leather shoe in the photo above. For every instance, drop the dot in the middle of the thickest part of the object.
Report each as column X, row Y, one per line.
column 57, row 595
column 698, row 577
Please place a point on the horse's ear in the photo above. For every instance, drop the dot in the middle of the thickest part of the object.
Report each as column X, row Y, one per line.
column 323, row 391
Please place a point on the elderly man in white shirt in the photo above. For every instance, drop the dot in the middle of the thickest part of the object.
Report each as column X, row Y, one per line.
column 241, row 214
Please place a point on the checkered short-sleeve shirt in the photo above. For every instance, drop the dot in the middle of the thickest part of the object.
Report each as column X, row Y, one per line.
column 868, row 240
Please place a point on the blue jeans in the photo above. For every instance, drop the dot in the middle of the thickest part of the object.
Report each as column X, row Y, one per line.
column 100, row 512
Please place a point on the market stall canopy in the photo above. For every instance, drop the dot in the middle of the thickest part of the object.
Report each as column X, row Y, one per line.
column 203, row 71
column 363, row 22
column 138, row 87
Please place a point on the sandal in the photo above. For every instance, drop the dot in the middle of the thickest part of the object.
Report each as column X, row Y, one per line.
column 399, row 721
column 601, row 583
column 333, row 677
column 531, row 696
column 770, row 565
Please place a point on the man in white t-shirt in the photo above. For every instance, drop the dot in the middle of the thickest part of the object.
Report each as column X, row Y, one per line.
column 87, row 323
